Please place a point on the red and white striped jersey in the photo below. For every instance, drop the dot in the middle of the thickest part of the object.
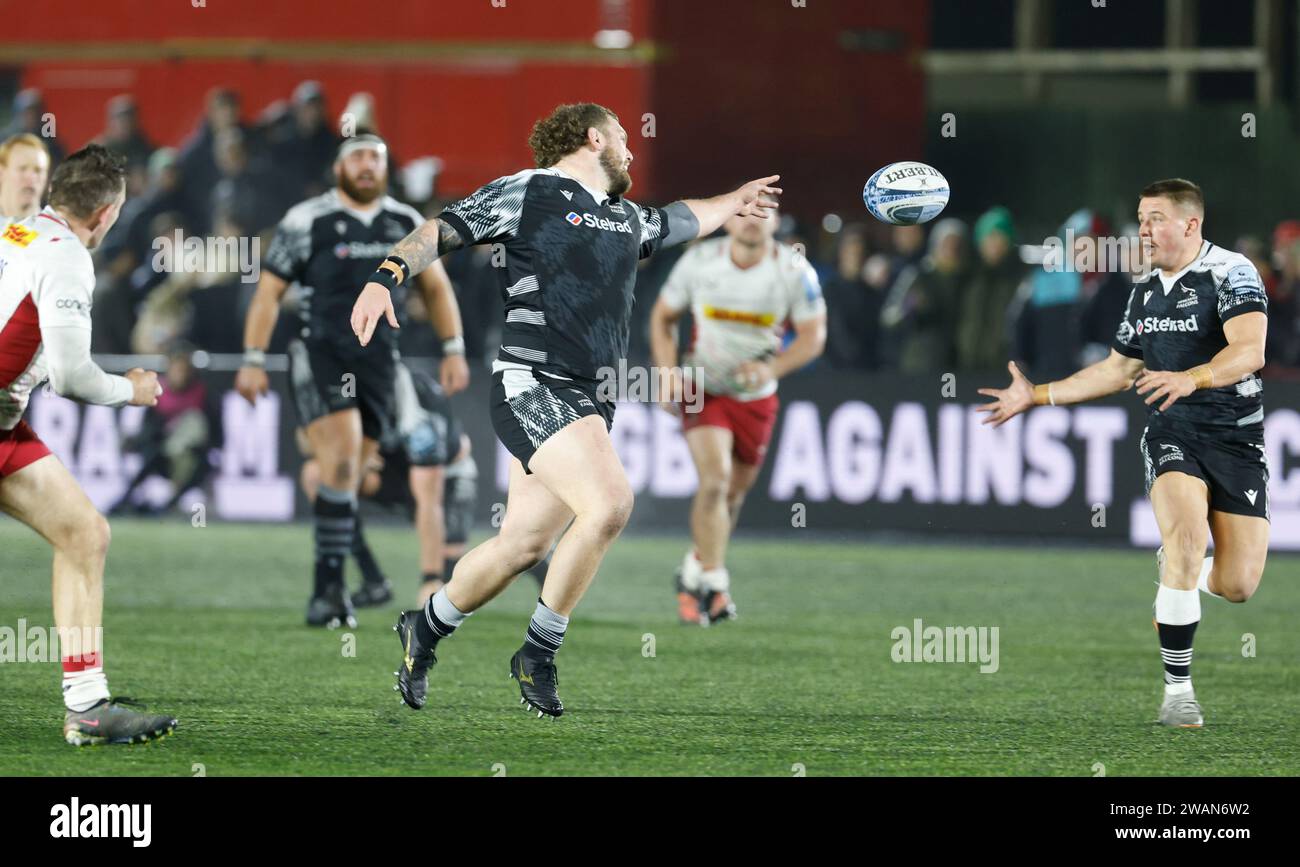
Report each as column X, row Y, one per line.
column 46, row 280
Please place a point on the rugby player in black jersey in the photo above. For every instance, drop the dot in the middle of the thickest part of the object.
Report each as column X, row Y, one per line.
column 571, row 242
column 344, row 393
column 1192, row 339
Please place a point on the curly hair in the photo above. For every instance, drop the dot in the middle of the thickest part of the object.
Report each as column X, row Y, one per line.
column 564, row 130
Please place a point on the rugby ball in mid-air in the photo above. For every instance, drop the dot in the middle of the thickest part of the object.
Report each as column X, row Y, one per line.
column 906, row 193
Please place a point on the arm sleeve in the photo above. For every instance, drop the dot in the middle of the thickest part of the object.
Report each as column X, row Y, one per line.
column 1127, row 342
column 290, row 247
column 658, row 225
column 491, row 213
column 1241, row 291
column 806, row 301
column 63, row 303
column 74, row 374
column 676, row 292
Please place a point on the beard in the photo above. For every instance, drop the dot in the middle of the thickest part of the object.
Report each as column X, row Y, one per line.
column 619, row 180
column 362, row 196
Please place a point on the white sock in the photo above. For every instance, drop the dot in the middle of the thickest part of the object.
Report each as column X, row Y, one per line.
column 84, row 689
column 1177, row 608
column 718, row 580
column 691, row 569
column 1203, row 582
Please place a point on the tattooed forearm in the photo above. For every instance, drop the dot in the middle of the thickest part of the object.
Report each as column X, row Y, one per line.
column 432, row 239
column 448, row 239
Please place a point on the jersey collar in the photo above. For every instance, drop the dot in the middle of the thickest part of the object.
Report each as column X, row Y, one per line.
column 50, row 214
column 1167, row 282
column 598, row 196
column 363, row 217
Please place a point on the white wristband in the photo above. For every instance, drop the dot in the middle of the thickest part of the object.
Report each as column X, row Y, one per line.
column 454, row 345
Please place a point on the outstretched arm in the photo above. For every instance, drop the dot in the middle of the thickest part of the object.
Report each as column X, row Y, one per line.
column 1113, row 373
column 412, row 255
column 754, row 199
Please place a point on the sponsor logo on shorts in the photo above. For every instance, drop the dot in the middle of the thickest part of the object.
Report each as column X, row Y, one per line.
column 1251, row 495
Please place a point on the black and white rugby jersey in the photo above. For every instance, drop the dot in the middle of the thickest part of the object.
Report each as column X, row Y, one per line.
column 331, row 250
column 570, row 258
column 1175, row 322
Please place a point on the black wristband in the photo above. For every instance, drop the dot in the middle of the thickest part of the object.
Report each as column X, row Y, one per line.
column 401, row 263
column 385, row 278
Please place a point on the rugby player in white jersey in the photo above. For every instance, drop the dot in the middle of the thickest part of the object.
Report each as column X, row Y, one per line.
column 24, row 172
column 743, row 291
column 46, row 281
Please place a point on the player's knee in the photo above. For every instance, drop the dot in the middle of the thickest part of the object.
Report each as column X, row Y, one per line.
column 1239, row 586
column 88, row 539
column 714, row 488
column 524, row 551
column 612, row 516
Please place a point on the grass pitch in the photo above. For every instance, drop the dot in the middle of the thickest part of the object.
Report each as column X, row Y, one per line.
column 206, row 623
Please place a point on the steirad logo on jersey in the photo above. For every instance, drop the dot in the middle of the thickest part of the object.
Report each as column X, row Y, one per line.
column 1167, row 323
column 604, row 223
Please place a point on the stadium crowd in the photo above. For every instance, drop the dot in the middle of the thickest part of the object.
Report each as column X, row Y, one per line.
column 917, row 299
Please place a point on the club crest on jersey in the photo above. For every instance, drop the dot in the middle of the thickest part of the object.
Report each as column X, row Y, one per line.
column 19, row 236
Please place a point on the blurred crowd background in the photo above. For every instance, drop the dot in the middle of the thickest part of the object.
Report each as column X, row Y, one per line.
column 950, row 295
column 962, row 293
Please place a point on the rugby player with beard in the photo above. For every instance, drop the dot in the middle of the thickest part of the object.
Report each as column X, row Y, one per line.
column 345, row 394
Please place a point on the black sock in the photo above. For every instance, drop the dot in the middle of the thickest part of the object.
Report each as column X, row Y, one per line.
column 449, row 566
column 335, row 520
column 545, row 631
column 429, row 627
column 1176, row 651
column 431, row 576
column 370, row 571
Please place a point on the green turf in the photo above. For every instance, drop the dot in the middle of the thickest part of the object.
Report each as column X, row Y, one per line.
column 206, row 623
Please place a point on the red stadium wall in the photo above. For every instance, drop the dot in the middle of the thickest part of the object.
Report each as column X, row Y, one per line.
column 823, row 94
column 733, row 93
column 460, row 79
